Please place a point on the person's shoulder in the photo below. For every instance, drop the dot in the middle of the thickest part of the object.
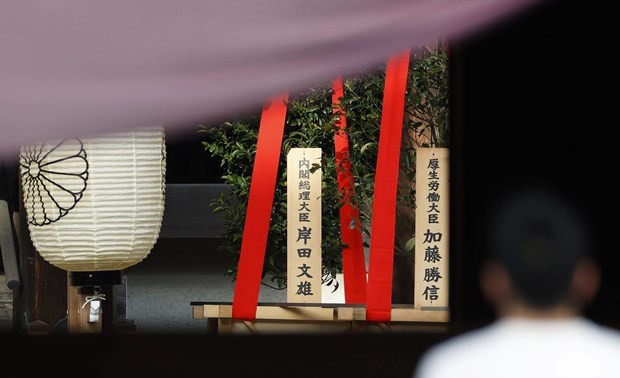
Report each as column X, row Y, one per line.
column 456, row 352
column 603, row 335
column 597, row 350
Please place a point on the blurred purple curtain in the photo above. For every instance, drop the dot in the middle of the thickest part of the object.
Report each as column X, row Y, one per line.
column 77, row 67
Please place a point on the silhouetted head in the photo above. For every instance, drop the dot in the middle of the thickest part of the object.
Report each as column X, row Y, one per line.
column 540, row 237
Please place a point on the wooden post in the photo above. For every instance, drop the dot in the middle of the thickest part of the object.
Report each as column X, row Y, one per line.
column 42, row 296
column 79, row 320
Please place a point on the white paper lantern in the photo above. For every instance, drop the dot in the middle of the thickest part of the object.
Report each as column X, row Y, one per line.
column 95, row 204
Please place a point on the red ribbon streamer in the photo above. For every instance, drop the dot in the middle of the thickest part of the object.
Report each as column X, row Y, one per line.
column 353, row 262
column 260, row 203
column 380, row 270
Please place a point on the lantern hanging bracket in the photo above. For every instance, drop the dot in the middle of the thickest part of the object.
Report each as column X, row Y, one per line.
column 97, row 278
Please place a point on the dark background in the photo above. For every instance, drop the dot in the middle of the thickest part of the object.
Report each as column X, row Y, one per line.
column 530, row 104
column 524, row 107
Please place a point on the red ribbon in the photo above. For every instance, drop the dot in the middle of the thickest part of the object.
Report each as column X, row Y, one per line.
column 353, row 263
column 262, row 189
column 260, row 203
column 380, row 270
